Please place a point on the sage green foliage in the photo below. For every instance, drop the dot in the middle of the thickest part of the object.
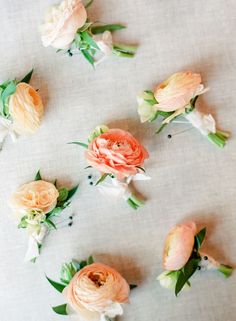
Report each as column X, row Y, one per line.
column 191, row 266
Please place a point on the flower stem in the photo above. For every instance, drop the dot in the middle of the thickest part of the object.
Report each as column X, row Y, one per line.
column 134, row 202
column 219, row 138
column 226, row 270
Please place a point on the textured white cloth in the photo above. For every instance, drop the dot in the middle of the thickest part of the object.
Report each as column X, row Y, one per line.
column 191, row 178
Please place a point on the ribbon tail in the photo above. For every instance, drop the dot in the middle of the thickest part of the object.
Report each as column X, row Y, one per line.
column 32, row 251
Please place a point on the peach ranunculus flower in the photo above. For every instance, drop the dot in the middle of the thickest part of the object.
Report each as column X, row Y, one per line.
column 26, row 109
column 97, row 290
column 116, row 152
column 179, row 246
column 36, row 197
column 177, row 91
column 62, row 23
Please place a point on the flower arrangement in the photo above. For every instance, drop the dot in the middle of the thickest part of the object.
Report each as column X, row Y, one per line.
column 93, row 291
column 21, row 108
column 36, row 204
column 68, row 29
column 183, row 257
column 177, row 97
column 119, row 157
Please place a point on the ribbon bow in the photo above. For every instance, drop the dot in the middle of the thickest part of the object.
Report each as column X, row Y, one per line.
column 6, row 128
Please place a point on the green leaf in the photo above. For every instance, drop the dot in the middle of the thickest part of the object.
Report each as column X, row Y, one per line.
column 185, row 274
column 23, row 223
column 58, row 286
column 55, row 212
column 141, row 168
column 83, row 264
column 6, row 93
column 76, row 265
column 101, row 179
column 38, row 176
column 71, row 192
column 60, row 309
column 199, row 238
column 90, row 260
column 88, row 4
column 125, row 48
column 27, row 78
column 87, row 56
column 63, row 195
column 80, row 144
column 50, row 223
column 110, row 27
column 84, row 28
column 132, row 286
column 87, row 38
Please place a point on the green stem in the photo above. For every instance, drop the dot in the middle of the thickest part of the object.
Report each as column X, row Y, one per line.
column 125, row 48
column 218, row 138
column 135, row 202
column 122, row 54
column 226, row 270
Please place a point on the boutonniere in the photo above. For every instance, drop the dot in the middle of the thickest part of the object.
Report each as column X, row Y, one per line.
column 37, row 205
column 93, row 291
column 68, row 29
column 177, row 97
column 183, row 257
column 21, row 108
column 119, row 157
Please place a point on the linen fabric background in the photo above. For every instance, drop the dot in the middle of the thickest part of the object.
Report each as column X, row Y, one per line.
column 191, row 178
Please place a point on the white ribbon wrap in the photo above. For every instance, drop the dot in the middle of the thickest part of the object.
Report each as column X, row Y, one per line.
column 34, row 240
column 204, row 123
column 104, row 42
column 118, row 189
column 6, row 128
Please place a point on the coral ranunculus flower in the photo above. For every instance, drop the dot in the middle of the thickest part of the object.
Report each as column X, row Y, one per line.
column 179, row 246
column 26, row 109
column 97, row 290
column 177, row 91
column 116, row 152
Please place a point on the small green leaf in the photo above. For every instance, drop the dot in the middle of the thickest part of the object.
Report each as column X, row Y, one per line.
column 199, row 238
column 63, row 195
column 87, row 38
column 84, row 28
column 60, row 309
column 88, row 4
column 90, row 260
column 76, row 265
column 27, row 78
column 101, row 179
column 110, row 27
column 132, row 286
column 141, row 168
column 38, row 176
column 23, row 223
column 71, row 192
column 50, row 224
column 55, row 212
column 161, row 128
column 87, row 56
column 6, row 93
column 185, row 274
column 80, row 144
column 83, row 264
column 58, row 286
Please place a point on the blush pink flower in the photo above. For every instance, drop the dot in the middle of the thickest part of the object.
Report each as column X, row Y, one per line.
column 38, row 196
column 62, row 23
column 95, row 290
column 178, row 246
column 116, row 152
column 177, row 91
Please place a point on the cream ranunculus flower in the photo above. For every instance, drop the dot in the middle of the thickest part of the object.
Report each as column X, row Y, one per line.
column 26, row 109
column 62, row 23
column 97, row 290
column 177, row 91
column 36, row 198
column 179, row 246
